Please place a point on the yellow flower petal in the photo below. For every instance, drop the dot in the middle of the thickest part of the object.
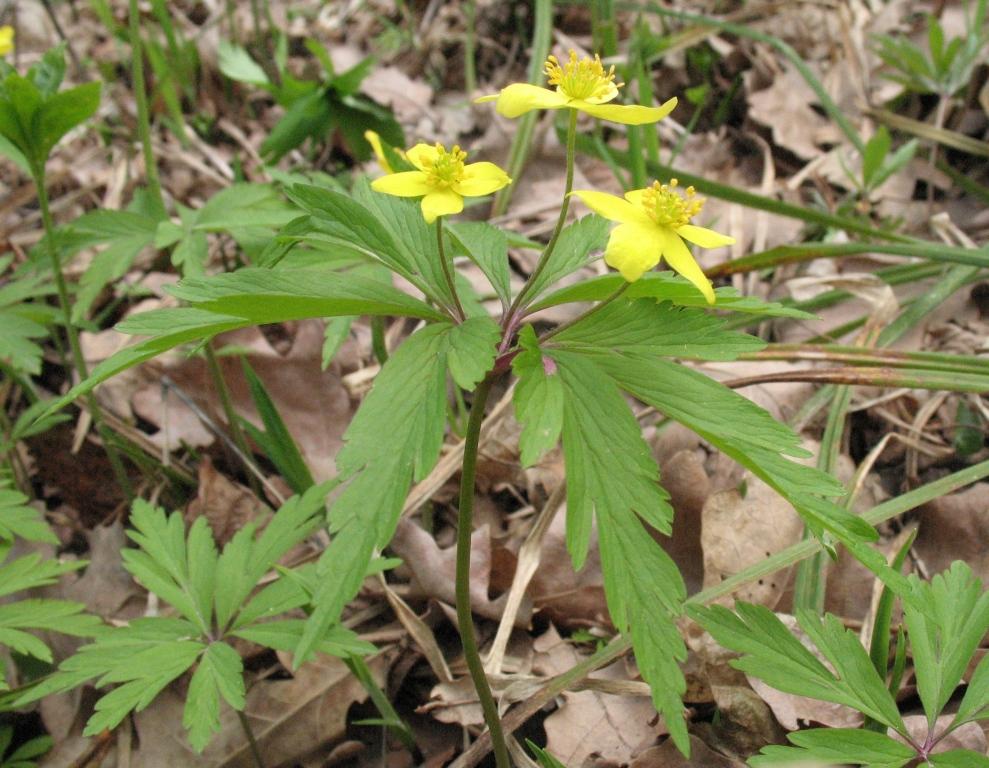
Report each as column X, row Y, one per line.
column 374, row 140
column 633, row 249
column 679, row 257
column 422, row 155
column 481, row 179
column 632, row 114
column 705, row 238
column 634, row 196
column 6, row 40
column 519, row 98
column 441, row 203
column 405, row 184
column 613, row 208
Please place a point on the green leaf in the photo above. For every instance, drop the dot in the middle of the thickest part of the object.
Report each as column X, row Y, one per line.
column 36, row 614
column 486, row 246
column 572, row 249
column 245, row 206
column 345, row 219
column 403, row 219
column 646, row 328
column 473, row 347
column 945, row 630
column 178, row 573
column 538, row 399
column 337, row 332
column 220, row 673
column 740, row 429
column 126, row 234
column 612, row 476
column 666, row 286
column 143, row 657
column 958, row 758
column 308, row 117
column 245, row 561
column 544, row 758
column 875, row 153
column 59, row 114
column 408, row 404
column 19, row 520
column 237, row 64
column 774, row 655
column 829, row 746
column 284, row 635
column 276, row 440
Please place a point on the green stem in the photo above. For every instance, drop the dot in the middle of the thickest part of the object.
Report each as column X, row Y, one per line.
column 464, row 617
column 78, row 360
column 564, row 208
column 378, row 345
column 470, row 46
column 448, row 269
column 226, row 402
column 141, row 100
column 252, row 742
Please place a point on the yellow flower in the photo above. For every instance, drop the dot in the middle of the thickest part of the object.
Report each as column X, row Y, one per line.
column 379, row 151
column 6, row 40
column 583, row 85
column 442, row 180
column 653, row 223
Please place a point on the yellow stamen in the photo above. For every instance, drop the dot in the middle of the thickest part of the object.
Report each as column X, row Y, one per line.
column 668, row 207
column 583, row 79
column 447, row 169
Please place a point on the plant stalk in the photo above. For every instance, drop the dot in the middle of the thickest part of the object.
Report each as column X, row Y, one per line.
column 78, row 360
column 226, row 402
column 143, row 116
column 464, row 616
column 252, row 742
column 448, row 270
column 513, row 311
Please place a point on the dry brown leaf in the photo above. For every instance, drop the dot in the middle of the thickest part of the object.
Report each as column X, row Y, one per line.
column 226, row 505
column 668, row 756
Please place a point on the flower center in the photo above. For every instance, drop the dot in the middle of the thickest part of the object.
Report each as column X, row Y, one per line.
column 584, row 79
column 668, row 207
column 447, row 168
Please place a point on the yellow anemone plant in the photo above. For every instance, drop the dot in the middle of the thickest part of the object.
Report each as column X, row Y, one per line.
column 583, row 85
column 6, row 40
column 442, row 179
column 652, row 225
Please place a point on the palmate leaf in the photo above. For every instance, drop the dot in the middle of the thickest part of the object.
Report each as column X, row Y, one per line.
column 831, row 746
column 473, row 346
column 408, row 404
column 19, row 520
column 613, row 479
column 773, row 654
column 945, row 630
column 183, row 574
column 220, row 673
column 142, row 658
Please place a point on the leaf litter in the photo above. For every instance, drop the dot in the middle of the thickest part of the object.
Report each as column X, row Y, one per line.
column 724, row 519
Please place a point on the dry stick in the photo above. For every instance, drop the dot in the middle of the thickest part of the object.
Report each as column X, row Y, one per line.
column 78, row 359
column 465, row 619
column 528, row 562
column 793, row 554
